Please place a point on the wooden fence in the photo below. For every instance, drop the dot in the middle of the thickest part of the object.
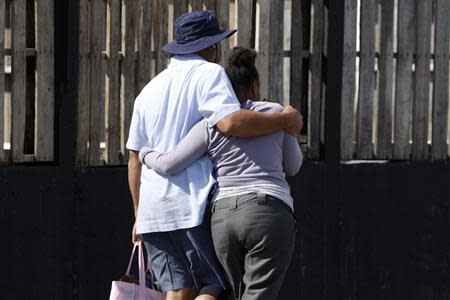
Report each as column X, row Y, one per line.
column 120, row 51
column 395, row 80
column 26, row 81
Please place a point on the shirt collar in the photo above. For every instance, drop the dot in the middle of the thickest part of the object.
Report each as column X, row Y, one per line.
column 177, row 59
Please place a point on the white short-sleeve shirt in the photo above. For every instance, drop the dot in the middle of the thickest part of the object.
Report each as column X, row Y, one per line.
column 187, row 91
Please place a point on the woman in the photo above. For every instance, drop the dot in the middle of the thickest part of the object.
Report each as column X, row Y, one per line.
column 252, row 224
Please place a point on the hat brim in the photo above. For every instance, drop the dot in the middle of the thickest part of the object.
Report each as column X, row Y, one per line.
column 195, row 46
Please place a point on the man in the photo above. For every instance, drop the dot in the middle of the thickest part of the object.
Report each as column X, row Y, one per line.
column 170, row 211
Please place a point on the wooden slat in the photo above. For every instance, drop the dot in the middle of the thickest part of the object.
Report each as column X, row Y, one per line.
column 128, row 66
column 421, row 101
column 84, row 91
column 195, row 4
column 145, row 43
column 30, row 106
column 441, row 77
column 366, row 79
column 2, row 77
column 179, row 7
column 245, row 24
column 18, row 94
column 404, row 91
column 98, row 10
column 296, row 56
column 223, row 14
column 384, row 128
column 276, row 61
column 45, row 65
column 161, row 30
column 315, row 94
column 263, row 55
column 348, row 79
column 210, row 4
column 270, row 50
column 112, row 138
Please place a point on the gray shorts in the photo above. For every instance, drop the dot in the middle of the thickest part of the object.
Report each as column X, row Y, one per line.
column 185, row 258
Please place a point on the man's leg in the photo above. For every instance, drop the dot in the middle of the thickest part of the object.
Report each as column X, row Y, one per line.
column 169, row 268
column 195, row 246
column 181, row 294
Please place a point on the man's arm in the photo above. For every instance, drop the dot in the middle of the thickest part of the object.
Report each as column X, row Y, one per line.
column 247, row 123
column 134, row 181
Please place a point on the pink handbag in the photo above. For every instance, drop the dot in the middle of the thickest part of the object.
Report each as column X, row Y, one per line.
column 121, row 290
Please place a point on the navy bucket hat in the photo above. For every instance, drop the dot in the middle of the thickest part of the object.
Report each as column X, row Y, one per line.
column 196, row 31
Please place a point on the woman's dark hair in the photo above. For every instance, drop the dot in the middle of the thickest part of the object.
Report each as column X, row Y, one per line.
column 241, row 68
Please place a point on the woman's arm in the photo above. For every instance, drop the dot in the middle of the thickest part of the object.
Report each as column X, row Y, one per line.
column 292, row 155
column 188, row 150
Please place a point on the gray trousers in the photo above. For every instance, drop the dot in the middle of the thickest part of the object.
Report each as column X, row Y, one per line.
column 254, row 237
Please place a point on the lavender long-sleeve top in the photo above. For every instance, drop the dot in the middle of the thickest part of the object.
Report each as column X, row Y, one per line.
column 240, row 163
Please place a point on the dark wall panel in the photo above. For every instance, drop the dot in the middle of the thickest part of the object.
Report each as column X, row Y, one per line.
column 70, row 236
column 104, row 221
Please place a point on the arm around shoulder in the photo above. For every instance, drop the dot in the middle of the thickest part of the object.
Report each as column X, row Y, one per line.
column 247, row 123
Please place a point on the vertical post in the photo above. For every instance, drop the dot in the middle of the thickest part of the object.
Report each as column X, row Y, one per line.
column 348, row 80
column 245, row 36
column 179, row 7
column 45, row 66
column 61, row 216
column 30, row 93
column 145, row 44
column 369, row 12
column 441, row 77
column 98, row 18
column 84, row 79
column 18, row 92
column 196, row 4
column 386, row 63
column 315, row 94
column 404, row 89
column 112, row 137
column 422, row 87
column 209, row 4
column 2, row 76
column 160, row 33
column 337, row 23
column 296, row 55
column 128, row 66
column 223, row 14
column 271, row 50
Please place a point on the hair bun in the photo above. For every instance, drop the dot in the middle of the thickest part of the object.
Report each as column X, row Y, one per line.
column 242, row 57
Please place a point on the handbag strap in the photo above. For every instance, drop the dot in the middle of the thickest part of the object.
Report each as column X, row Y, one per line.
column 141, row 265
column 131, row 259
column 142, row 268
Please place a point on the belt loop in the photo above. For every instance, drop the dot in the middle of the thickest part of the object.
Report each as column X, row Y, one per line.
column 235, row 202
column 260, row 198
column 213, row 207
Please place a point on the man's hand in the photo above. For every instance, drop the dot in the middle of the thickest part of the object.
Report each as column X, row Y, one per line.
column 135, row 237
column 294, row 121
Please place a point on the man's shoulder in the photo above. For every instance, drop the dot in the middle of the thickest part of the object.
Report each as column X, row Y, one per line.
column 266, row 106
column 211, row 67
